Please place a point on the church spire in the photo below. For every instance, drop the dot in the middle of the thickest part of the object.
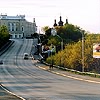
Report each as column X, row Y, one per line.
column 66, row 21
column 60, row 22
column 34, row 22
column 55, row 24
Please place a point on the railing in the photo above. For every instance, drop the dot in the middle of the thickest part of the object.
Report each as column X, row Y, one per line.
column 5, row 47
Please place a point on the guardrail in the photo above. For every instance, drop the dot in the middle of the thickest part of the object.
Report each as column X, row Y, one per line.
column 74, row 71
column 70, row 70
column 5, row 47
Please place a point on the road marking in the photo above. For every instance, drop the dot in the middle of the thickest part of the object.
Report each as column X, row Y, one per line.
column 76, row 78
column 11, row 92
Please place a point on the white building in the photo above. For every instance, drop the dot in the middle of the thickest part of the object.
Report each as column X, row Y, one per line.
column 18, row 26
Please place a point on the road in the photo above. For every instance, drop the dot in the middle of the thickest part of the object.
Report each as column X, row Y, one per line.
column 26, row 80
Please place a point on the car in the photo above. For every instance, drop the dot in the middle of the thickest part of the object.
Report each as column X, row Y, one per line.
column 1, row 62
column 26, row 56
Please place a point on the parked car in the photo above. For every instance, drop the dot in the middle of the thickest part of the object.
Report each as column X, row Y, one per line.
column 1, row 62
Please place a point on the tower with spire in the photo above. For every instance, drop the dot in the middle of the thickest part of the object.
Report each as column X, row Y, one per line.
column 66, row 21
column 60, row 23
column 55, row 24
column 34, row 25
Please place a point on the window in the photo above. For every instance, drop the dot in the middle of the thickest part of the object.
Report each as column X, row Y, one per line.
column 22, row 28
column 12, row 26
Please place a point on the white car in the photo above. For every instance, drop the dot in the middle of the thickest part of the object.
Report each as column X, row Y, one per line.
column 26, row 56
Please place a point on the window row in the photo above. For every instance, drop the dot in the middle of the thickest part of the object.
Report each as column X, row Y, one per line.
column 15, row 27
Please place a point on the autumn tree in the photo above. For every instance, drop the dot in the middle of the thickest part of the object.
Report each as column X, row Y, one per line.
column 71, row 56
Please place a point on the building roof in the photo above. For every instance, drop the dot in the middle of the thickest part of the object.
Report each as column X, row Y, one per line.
column 12, row 17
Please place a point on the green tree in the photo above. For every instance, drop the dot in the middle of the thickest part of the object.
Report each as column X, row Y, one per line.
column 4, row 35
column 45, row 28
column 69, row 32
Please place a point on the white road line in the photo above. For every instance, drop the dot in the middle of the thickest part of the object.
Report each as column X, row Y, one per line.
column 12, row 93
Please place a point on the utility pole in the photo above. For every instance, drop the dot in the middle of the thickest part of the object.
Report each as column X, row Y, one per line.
column 82, row 51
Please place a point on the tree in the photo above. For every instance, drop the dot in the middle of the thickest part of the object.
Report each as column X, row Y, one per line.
column 72, row 55
column 4, row 35
column 45, row 28
column 69, row 32
column 35, row 35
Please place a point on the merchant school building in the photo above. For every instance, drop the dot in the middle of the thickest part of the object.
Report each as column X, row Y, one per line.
column 18, row 26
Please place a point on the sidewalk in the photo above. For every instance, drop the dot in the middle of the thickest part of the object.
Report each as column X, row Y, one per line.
column 67, row 74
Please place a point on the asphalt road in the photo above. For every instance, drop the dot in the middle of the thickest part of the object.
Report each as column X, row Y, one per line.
column 26, row 80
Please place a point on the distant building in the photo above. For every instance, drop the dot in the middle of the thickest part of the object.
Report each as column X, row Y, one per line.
column 18, row 26
column 60, row 23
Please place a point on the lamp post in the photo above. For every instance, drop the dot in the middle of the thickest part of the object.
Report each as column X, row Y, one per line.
column 54, row 33
column 61, row 42
column 39, row 34
column 82, row 51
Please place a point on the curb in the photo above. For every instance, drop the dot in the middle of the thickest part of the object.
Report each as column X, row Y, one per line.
column 11, row 92
column 76, row 78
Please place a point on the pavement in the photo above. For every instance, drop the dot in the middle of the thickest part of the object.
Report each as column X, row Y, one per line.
column 7, row 95
column 66, row 74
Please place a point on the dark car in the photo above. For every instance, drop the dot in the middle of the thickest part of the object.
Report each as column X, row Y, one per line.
column 1, row 62
column 26, row 56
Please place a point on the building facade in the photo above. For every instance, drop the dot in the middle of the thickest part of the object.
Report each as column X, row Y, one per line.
column 18, row 26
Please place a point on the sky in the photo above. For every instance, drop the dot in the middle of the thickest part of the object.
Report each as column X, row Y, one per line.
column 83, row 13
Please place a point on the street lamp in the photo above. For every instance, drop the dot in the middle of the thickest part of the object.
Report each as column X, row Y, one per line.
column 54, row 33
column 39, row 34
column 82, row 51
column 61, row 42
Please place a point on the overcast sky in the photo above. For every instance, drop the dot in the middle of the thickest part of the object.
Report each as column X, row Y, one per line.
column 83, row 13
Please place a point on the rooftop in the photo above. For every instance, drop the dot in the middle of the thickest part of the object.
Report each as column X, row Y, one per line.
column 12, row 17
